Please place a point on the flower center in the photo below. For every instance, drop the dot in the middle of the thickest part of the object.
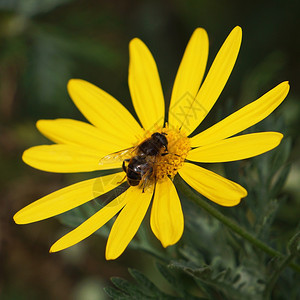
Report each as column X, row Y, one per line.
column 168, row 163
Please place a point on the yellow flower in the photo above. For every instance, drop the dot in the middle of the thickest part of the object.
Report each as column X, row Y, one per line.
column 80, row 147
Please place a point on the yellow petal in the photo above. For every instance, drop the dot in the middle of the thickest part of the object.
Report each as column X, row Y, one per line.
column 72, row 132
column 188, row 78
column 236, row 148
column 67, row 198
column 145, row 87
column 128, row 221
column 90, row 225
column 105, row 112
column 214, row 187
column 215, row 80
column 244, row 118
column 166, row 213
column 66, row 159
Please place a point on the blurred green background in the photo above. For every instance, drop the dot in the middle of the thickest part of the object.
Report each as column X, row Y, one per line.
column 44, row 43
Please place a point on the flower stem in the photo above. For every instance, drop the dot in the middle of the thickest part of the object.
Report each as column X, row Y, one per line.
column 231, row 224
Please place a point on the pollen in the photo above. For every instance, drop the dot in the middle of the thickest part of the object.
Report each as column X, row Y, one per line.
column 169, row 163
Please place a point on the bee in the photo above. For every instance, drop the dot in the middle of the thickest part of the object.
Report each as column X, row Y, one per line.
column 140, row 168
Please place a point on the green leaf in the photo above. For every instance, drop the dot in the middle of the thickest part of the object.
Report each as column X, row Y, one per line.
column 147, row 285
column 174, row 282
column 205, row 271
column 116, row 294
column 129, row 288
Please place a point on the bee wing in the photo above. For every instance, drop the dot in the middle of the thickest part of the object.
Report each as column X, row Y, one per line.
column 117, row 156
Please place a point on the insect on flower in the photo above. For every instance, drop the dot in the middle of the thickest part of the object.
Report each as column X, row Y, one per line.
column 141, row 167
column 153, row 153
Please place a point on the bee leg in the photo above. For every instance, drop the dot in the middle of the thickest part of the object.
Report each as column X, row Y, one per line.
column 144, row 184
column 167, row 153
column 122, row 179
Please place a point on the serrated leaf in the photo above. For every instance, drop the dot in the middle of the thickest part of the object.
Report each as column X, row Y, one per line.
column 134, row 291
column 194, row 271
column 144, row 282
column 166, row 274
column 115, row 294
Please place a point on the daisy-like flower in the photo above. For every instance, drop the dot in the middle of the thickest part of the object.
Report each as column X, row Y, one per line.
column 79, row 146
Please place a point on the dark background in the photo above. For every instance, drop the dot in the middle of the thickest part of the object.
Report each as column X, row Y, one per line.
column 45, row 43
